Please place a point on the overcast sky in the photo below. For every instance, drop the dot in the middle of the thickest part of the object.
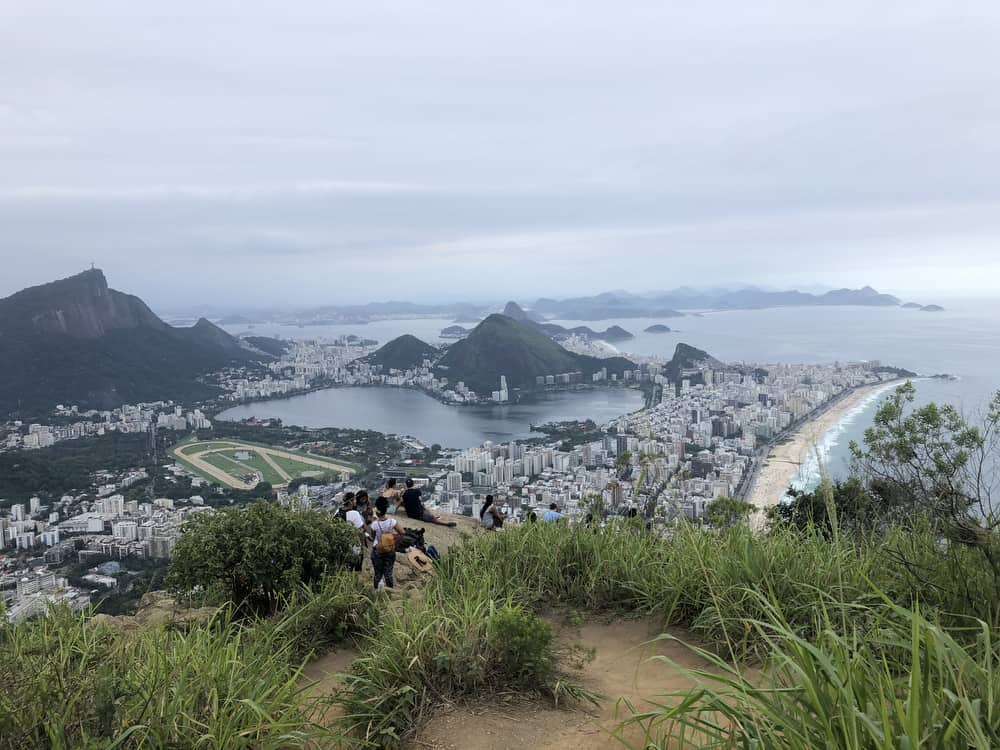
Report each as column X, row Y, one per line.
column 273, row 153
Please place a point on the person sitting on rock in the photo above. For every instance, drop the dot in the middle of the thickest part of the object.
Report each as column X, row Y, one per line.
column 491, row 517
column 392, row 494
column 552, row 515
column 415, row 507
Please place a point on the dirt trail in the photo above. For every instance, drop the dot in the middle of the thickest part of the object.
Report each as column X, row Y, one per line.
column 621, row 669
column 323, row 673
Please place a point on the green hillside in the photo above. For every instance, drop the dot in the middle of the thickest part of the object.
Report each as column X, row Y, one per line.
column 520, row 351
column 687, row 357
column 403, row 353
column 76, row 341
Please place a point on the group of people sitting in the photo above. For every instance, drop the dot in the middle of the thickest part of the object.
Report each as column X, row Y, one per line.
column 378, row 528
column 491, row 517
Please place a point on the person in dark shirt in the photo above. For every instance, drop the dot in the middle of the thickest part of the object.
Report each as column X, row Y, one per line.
column 415, row 507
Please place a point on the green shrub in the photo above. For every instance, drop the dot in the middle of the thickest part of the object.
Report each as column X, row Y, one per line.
column 257, row 556
column 522, row 647
column 425, row 654
column 314, row 620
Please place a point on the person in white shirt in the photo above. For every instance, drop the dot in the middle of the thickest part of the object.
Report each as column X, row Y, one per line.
column 349, row 513
column 383, row 560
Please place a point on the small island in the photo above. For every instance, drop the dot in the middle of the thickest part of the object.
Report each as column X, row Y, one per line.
column 454, row 332
column 658, row 328
column 922, row 308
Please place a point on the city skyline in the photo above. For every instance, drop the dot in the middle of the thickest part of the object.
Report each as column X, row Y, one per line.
column 350, row 154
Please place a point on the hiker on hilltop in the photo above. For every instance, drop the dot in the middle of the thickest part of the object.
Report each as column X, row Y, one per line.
column 392, row 494
column 491, row 517
column 348, row 513
column 415, row 507
column 552, row 515
column 384, row 547
column 363, row 505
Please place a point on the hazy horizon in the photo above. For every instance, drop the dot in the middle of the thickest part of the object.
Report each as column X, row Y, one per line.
column 346, row 153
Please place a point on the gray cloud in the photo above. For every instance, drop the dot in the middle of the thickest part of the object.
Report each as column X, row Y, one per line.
column 306, row 152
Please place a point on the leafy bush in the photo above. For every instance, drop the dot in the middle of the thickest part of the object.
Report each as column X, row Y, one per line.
column 259, row 555
column 316, row 619
column 522, row 645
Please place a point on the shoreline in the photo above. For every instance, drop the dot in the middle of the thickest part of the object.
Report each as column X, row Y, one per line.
column 782, row 461
column 533, row 396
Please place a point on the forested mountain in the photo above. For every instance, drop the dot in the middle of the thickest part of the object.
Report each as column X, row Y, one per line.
column 76, row 341
column 518, row 350
column 403, row 353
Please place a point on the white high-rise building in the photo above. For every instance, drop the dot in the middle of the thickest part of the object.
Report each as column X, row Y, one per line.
column 34, row 504
column 453, row 483
column 17, row 511
column 127, row 531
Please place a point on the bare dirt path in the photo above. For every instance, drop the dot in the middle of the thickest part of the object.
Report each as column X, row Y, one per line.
column 621, row 669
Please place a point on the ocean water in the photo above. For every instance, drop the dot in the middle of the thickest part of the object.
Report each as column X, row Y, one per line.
column 964, row 341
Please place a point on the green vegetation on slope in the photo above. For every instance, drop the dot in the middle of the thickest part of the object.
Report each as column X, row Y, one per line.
column 67, row 466
column 268, row 345
column 403, row 353
column 66, row 682
column 871, row 636
column 521, row 352
column 257, row 556
column 76, row 341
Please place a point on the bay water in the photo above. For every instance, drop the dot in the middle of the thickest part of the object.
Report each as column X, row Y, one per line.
column 964, row 341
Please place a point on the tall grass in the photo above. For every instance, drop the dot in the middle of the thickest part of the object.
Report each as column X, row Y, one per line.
column 838, row 655
column 67, row 682
column 902, row 681
column 424, row 656
column 697, row 578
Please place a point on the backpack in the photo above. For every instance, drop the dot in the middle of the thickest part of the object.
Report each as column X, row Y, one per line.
column 342, row 514
column 489, row 520
column 386, row 539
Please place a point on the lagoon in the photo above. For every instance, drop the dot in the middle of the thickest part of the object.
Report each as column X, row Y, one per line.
column 411, row 412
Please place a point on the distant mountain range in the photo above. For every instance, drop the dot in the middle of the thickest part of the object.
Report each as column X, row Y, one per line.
column 76, row 341
column 666, row 304
column 608, row 305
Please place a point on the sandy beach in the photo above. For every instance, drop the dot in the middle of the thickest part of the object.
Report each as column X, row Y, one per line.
column 784, row 460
